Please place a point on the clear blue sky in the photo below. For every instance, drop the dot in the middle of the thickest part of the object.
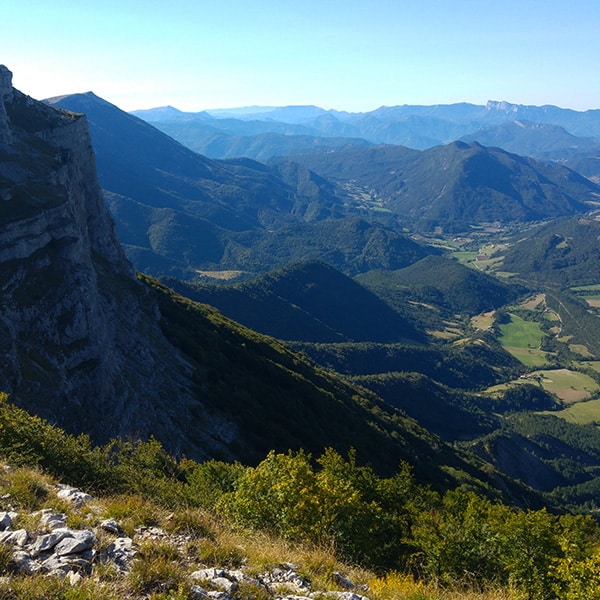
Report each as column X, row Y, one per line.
column 352, row 55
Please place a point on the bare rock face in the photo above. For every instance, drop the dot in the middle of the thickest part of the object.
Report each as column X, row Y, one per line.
column 5, row 93
column 81, row 343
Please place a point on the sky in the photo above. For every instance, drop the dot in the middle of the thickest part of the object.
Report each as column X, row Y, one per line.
column 354, row 55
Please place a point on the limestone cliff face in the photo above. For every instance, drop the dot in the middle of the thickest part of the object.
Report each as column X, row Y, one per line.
column 5, row 94
column 80, row 342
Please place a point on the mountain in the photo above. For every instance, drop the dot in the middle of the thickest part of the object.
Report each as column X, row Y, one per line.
column 178, row 212
column 81, row 342
column 448, row 285
column 95, row 350
column 308, row 301
column 458, row 186
column 544, row 142
column 540, row 140
column 418, row 127
column 226, row 137
column 140, row 164
column 564, row 252
column 165, row 197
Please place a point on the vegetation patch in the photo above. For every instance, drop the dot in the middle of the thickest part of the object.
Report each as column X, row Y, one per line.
column 582, row 413
column 530, row 357
column 519, row 333
column 570, row 386
column 484, row 321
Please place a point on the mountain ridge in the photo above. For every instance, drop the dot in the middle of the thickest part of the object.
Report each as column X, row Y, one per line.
column 416, row 126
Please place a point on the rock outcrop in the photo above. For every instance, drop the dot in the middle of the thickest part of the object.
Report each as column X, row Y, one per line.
column 81, row 343
column 5, row 94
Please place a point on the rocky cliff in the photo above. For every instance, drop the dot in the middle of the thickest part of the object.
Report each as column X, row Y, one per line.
column 5, row 93
column 81, row 343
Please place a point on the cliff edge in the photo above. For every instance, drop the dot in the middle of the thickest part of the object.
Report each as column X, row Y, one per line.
column 80, row 337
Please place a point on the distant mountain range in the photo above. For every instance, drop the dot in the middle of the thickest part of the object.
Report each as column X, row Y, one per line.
column 545, row 132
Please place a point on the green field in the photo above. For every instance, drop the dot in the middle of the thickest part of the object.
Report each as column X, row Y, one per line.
column 569, row 386
column 464, row 257
column 531, row 357
column 572, row 387
column 522, row 339
column 590, row 364
column 581, row 412
column 587, row 288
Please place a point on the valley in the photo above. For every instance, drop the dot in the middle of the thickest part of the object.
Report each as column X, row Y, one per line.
column 454, row 280
column 386, row 333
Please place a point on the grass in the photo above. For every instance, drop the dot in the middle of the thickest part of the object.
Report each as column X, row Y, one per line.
column 465, row 257
column 570, row 386
column 582, row 413
column 591, row 364
column 519, row 333
column 529, row 356
column 484, row 321
column 523, row 339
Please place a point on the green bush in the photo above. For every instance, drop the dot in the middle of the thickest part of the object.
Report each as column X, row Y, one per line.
column 337, row 503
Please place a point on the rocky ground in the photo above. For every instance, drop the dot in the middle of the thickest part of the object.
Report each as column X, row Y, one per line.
column 47, row 547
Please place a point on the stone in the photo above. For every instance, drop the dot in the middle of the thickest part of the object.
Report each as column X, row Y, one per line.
column 47, row 542
column 74, row 578
column 342, row 581
column 80, row 541
column 111, row 526
column 219, row 595
column 197, row 592
column 225, row 584
column 5, row 521
column 207, row 574
column 121, row 552
column 346, row 596
column 19, row 537
column 24, row 563
column 284, row 577
column 53, row 520
column 5, row 94
column 77, row 497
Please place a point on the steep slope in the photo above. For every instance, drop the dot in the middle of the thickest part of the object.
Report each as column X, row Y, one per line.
column 565, row 252
column 457, row 186
column 81, row 343
column 162, row 173
column 540, row 140
column 210, row 137
column 309, row 302
column 350, row 245
column 544, row 142
column 178, row 212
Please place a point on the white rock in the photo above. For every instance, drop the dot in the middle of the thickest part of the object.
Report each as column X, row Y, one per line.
column 121, row 552
column 74, row 578
column 77, row 497
column 80, row 541
column 20, row 537
column 46, row 542
column 111, row 526
column 53, row 520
